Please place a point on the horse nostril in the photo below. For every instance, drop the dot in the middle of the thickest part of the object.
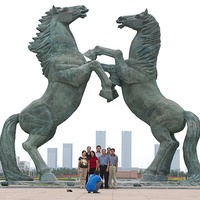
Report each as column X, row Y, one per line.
column 120, row 20
column 83, row 8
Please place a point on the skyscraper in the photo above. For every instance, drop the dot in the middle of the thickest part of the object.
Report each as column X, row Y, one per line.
column 175, row 165
column 126, row 149
column 67, row 155
column 101, row 139
column 52, row 157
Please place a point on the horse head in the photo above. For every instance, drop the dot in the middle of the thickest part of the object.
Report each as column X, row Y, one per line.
column 135, row 22
column 67, row 15
column 54, row 29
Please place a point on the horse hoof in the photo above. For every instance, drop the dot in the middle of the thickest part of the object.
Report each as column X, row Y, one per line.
column 193, row 180
column 107, row 94
column 48, row 177
column 115, row 94
column 90, row 54
column 161, row 178
column 148, row 177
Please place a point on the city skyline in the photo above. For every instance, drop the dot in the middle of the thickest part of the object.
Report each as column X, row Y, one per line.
column 126, row 146
column 67, row 151
column 126, row 154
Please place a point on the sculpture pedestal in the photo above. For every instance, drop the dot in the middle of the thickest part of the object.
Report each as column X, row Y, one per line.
column 148, row 177
column 48, row 177
column 161, row 178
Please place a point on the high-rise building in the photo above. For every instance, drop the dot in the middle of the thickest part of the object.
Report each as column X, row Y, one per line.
column 126, row 149
column 67, row 155
column 101, row 139
column 52, row 157
column 175, row 165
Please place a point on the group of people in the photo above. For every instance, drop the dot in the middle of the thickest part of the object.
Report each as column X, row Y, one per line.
column 96, row 166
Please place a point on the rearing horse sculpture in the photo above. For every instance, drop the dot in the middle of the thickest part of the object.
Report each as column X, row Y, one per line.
column 137, row 77
column 68, row 73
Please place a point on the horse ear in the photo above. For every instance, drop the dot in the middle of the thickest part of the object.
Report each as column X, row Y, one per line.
column 146, row 12
column 54, row 10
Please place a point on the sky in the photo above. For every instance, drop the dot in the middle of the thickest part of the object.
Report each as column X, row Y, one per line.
column 178, row 68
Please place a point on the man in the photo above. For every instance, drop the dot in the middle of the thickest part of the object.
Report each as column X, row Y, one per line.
column 98, row 151
column 103, row 167
column 88, row 154
column 113, row 167
column 88, row 151
column 94, row 183
column 108, row 151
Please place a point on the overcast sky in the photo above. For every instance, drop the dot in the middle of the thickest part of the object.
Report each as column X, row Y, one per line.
column 178, row 67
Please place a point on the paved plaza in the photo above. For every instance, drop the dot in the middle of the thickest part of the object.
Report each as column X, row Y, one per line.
column 12, row 193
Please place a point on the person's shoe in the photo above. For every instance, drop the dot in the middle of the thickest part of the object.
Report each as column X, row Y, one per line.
column 89, row 192
column 96, row 192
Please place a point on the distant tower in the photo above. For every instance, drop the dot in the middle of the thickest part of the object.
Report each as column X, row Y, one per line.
column 52, row 157
column 175, row 165
column 67, row 155
column 126, row 149
column 101, row 139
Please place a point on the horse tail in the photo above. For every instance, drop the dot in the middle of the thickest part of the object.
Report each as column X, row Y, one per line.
column 190, row 144
column 7, row 151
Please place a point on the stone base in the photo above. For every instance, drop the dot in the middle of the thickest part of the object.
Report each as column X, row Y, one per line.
column 148, row 177
column 48, row 177
column 27, row 184
column 161, row 178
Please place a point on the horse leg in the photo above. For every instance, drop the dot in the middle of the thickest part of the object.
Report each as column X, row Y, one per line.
column 125, row 73
column 80, row 75
column 162, row 161
column 116, row 54
column 106, row 83
column 36, row 139
column 98, row 50
column 111, row 69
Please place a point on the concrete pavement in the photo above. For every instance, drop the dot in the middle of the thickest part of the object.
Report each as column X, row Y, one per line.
column 13, row 193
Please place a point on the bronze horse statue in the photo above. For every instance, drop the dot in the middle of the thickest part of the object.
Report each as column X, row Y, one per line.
column 137, row 77
column 68, row 73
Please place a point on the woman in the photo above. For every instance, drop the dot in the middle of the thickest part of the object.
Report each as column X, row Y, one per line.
column 83, row 168
column 93, row 162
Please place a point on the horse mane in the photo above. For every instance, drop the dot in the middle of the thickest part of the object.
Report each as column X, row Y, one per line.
column 149, row 49
column 42, row 43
